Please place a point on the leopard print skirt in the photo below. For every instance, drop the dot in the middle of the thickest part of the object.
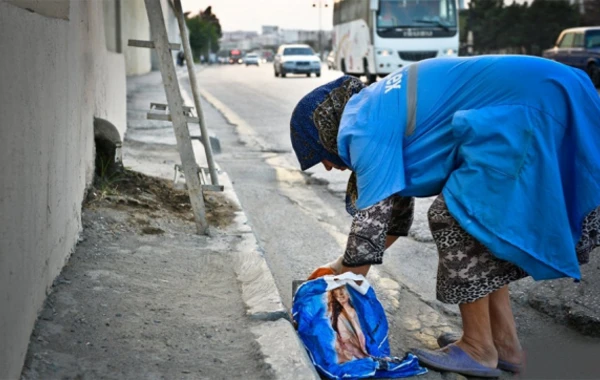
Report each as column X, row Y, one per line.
column 467, row 271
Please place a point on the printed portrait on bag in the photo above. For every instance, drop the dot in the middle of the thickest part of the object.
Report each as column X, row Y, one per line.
column 349, row 338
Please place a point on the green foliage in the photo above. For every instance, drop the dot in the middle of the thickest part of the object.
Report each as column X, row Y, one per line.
column 546, row 19
column 205, row 31
column 518, row 28
column 486, row 19
column 591, row 15
column 463, row 20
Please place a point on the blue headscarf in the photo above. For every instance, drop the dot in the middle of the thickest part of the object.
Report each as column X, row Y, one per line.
column 316, row 119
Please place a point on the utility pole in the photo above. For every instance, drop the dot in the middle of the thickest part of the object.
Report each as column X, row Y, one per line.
column 209, row 51
column 470, row 31
column 320, row 4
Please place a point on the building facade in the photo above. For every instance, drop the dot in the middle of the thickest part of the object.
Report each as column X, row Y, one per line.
column 63, row 67
column 273, row 36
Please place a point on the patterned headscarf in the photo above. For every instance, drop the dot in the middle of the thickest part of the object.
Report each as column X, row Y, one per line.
column 315, row 123
column 316, row 120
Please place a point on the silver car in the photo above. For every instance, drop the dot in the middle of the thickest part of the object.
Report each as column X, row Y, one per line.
column 296, row 59
column 251, row 59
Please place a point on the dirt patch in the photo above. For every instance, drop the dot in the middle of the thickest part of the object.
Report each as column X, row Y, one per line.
column 150, row 195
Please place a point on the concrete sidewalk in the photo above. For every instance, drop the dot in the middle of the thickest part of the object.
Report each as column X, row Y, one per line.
column 142, row 296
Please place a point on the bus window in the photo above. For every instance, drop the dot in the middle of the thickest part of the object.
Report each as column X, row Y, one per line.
column 415, row 13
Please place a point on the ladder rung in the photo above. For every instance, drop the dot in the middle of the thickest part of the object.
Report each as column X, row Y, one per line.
column 163, row 107
column 178, row 167
column 167, row 117
column 150, row 44
column 213, row 187
column 202, row 174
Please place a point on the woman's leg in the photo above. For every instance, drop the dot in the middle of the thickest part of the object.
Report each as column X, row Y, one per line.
column 504, row 329
column 470, row 276
column 477, row 339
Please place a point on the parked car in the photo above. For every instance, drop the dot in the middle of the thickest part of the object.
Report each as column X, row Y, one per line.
column 252, row 59
column 296, row 59
column 331, row 61
column 580, row 48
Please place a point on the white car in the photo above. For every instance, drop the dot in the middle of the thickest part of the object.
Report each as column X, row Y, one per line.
column 296, row 59
column 252, row 59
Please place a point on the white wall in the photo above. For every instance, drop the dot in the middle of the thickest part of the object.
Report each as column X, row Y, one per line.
column 56, row 75
column 112, row 29
column 135, row 26
column 50, row 8
column 172, row 30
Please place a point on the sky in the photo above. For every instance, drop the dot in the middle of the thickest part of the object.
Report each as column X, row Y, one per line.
column 252, row 14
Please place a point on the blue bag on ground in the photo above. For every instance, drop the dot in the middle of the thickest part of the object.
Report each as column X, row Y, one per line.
column 345, row 331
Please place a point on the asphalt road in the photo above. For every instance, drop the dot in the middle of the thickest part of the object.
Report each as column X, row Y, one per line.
column 301, row 223
column 265, row 104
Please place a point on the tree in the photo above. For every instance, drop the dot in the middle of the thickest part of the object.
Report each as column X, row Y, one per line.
column 520, row 28
column 591, row 13
column 513, row 28
column 205, row 31
column 486, row 25
column 545, row 20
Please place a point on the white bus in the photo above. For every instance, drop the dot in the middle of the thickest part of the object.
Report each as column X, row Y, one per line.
column 375, row 37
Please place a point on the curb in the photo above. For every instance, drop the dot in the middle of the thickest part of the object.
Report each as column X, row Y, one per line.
column 574, row 314
column 276, row 337
column 259, row 291
column 279, row 344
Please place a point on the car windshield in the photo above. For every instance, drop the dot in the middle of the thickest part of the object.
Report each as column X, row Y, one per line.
column 298, row 51
column 251, row 56
column 592, row 39
column 416, row 14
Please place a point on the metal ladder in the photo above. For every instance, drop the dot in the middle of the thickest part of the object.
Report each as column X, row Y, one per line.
column 179, row 114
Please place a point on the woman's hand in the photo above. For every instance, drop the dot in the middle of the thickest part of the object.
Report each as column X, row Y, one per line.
column 332, row 268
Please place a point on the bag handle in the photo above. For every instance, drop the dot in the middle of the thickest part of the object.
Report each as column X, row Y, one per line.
column 350, row 279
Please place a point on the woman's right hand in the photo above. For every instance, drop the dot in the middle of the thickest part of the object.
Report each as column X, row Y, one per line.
column 332, row 268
